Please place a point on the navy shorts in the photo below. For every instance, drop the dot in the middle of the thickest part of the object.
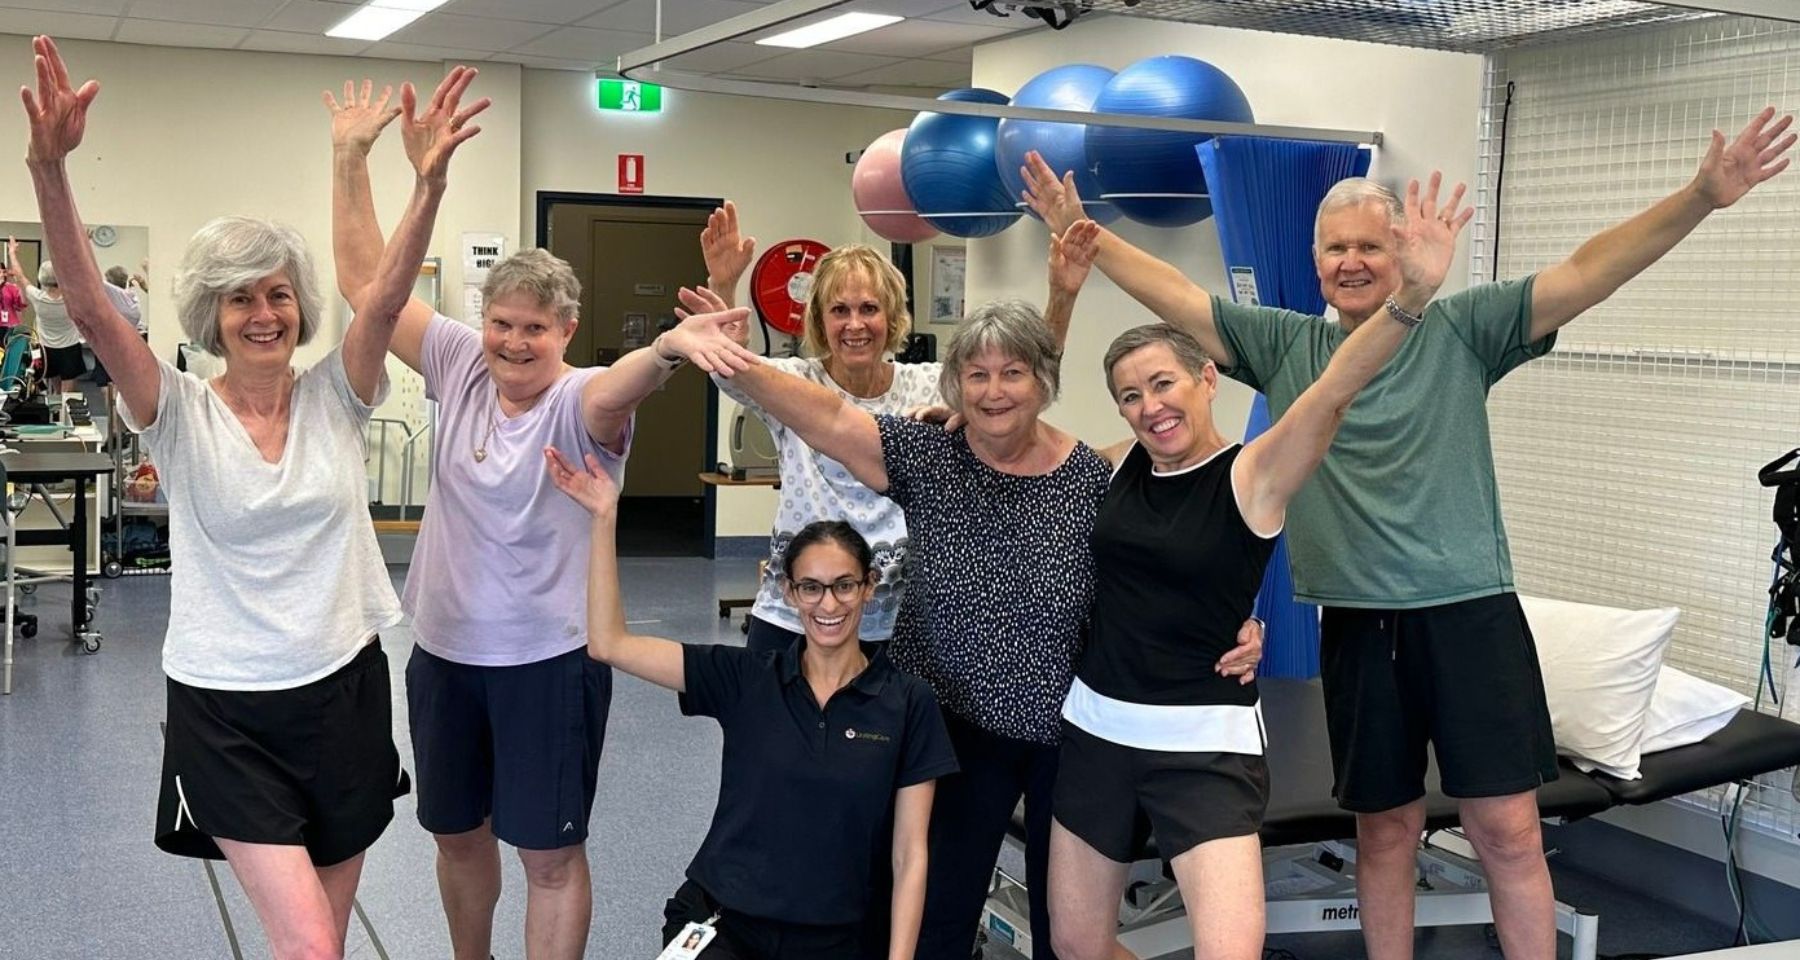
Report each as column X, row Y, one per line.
column 311, row 766
column 519, row 745
column 1461, row 676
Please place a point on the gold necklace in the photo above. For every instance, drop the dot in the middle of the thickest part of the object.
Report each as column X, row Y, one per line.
column 493, row 421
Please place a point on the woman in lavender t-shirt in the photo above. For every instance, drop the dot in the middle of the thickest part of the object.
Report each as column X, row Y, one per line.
column 507, row 711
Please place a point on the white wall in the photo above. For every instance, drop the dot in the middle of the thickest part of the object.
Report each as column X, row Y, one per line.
column 1425, row 103
column 783, row 164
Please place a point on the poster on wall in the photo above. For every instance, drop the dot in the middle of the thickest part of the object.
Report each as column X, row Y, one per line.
column 479, row 252
column 947, row 268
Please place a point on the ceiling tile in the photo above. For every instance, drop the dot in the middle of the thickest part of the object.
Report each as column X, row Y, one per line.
column 310, row 16
column 639, row 16
column 536, row 11
column 165, row 33
column 227, row 13
column 965, row 14
column 723, row 58
column 470, row 33
column 413, row 51
column 279, row 41
column 919, row 38
column 816, row 65
column 109, row 8
column 63, row 26
column 543, row 63
column 580, row 43
column 912, row 73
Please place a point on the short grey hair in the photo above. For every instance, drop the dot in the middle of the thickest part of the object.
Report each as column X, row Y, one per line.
column 1354, row 192
column 1188, row 351
column 548, row 278
column 47, row 274
column 117, row 276
column 1017, row 330
column 231, row 253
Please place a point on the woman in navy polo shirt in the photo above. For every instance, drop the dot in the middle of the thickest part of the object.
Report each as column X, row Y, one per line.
column 824, row 742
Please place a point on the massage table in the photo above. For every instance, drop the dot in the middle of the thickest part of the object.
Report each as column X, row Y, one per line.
column 1306, row 836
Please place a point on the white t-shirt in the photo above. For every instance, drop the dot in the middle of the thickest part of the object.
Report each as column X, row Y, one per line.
column 276, row 579
column 54, row 327
column 816, row 487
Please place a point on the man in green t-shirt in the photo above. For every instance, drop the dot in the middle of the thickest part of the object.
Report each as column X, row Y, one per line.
column 1399, row 537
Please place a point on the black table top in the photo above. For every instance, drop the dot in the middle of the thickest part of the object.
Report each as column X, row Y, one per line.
column 26, row 466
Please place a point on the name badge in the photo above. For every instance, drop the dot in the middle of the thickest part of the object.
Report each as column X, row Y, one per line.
column 692, row 939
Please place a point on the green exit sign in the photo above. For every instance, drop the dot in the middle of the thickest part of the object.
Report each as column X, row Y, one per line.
column 630, row 96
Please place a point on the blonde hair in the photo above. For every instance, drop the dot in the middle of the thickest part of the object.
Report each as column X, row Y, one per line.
column 834, row 271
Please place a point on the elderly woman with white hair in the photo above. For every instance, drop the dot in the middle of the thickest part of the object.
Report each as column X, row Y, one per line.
column 278, row 754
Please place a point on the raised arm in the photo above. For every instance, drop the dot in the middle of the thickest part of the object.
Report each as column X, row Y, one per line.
column 648, row 658
column 1157, row 285
column 912, row 822
column 356, row 243
column 1607, row 260
column 726, row 251
column 431, row 138
column 823, row 420
column 57, row 115
column 1274, row 466
column 1072, row 253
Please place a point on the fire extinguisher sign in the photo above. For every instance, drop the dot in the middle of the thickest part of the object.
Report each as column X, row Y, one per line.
column 631, row 173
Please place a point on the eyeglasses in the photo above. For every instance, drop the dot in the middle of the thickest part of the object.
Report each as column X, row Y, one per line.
column 812, row 591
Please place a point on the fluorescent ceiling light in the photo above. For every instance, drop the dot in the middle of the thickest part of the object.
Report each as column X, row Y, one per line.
column 378, row 18
column 825, row 31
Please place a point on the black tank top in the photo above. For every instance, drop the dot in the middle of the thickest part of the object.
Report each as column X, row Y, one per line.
column 1176, row 574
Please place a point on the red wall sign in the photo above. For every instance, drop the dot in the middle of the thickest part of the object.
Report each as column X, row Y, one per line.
column 631, row 173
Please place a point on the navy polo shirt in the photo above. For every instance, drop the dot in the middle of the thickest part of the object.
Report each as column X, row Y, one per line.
column 806, row 796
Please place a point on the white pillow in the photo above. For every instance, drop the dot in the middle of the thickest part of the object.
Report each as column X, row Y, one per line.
column 1687, row 709
column 1600, row 666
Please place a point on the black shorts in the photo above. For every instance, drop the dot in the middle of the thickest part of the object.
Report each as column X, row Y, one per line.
column 743, row 937
column 64, row 363
column 1462, row 676
column 312, row 766
column 520, row 745
column 1113, row 797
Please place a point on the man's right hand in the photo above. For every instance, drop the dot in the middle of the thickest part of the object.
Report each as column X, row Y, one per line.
column 359, row 120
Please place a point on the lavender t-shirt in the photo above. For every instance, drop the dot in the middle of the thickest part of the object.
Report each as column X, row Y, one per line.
column 499, row 573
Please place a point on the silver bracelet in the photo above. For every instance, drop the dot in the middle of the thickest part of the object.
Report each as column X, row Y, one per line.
column 1400, row 313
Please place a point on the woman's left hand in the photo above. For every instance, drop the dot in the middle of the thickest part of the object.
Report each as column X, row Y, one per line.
column 1240, row 661
column 431, row 137
column 1072, row 255
column 706, row 335
column 57, row 114
column 593, row 487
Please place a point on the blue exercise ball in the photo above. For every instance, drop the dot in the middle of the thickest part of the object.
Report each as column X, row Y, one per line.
column 947, row 167
column 1154, row 175
column 1063, row 145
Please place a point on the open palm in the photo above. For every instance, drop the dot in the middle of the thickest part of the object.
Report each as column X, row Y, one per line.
column 1727, row 172
column 57, row 113
column 432, row 136
column 590, row 486
column 1426, row 239
column 359, row 120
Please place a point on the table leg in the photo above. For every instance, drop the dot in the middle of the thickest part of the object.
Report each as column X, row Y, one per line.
column 78, row 606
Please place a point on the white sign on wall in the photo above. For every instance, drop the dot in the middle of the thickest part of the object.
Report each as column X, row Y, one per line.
column 479, row 252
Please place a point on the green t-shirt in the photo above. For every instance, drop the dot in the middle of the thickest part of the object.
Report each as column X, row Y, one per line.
column 1405, row 511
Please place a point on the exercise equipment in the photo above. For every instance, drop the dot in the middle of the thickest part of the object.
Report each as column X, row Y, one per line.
column 880, row 195
column 1074, row 86
column 947, row 165
column 782, row 281
column 1153, row 176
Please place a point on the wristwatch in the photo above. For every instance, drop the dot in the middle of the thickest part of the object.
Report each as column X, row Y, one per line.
column 1400, row 313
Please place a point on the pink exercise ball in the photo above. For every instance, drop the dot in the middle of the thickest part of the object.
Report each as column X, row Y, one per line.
column 881, row 197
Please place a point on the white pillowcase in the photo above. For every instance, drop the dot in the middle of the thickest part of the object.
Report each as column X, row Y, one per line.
column 1687, row 709
column 1600, row 667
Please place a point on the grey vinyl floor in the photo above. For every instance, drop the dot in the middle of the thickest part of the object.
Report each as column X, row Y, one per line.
column 79, row 752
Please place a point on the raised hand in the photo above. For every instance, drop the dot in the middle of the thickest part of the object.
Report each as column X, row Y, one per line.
column 57, row 114
column 1240, row 661
column 593, row 487
column 1072, row 255
column 359, row 120
column 727, row 253
column 1426, row 240
column 432, row 136
column 1056, row 201
column 709, row 301
column 1728, row 172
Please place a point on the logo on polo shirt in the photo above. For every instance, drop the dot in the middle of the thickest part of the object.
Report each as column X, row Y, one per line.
column 851, row 733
